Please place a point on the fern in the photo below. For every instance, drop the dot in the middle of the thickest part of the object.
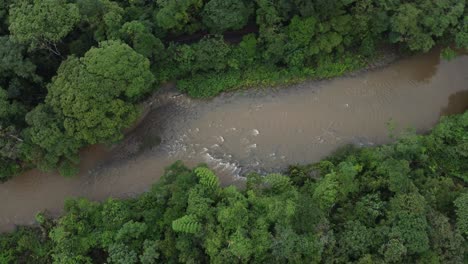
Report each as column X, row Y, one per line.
column 207, row 177
column 186, row 224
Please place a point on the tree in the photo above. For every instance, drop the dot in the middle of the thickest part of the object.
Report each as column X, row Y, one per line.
column 394, row 251
column 17, row 71
column 241, row 246
column 94, row 94
column 178, row 16
column 461, row 204
column 397, row 171
column 245, row 53
column 411, row 23
column 412, row 231
column 42, row 23
column 10, row 154
column 150, row 253
column 356, row 239
column 4, row 7
column 461, row 37
column 326, row 194
column 271, row 13
column 447, row 242
column 46, row 143
column 233, row 213
column 222, row 15
column 121, row 254
column 100, row 18
column 130, row 230
column 142, row 40
column 300, row 33
column 369, row 208
column 11, row 114
column 209, row 54
column 409, row 222
column 290, row 247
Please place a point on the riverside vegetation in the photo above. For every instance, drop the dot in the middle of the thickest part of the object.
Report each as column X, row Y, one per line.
column 72, row 72
column 404, row 202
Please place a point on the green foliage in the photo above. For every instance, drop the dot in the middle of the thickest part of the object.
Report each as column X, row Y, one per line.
column 142, row 40
column 11, row 111
column 448, row 54
column 394, row 251
column 94, row 94
column 131, row 230
column 150, row 254
column 186, row 224
column 448, row 243
column 121, row 254
column 90, row 100
column 461, row 37
column 209, row 85
column 178, row 16
column 100, row 19
column 209, row 54
column 222, row 15
column 16, row 68
column 277, row 182
column 25, row 245
column 398, row 203
column 259, row 75
column 67, row 168
column 356, row 239
column 42, row 23
column 462, row 213
column 207, row 177
column 4, row 8
column 46, row 142
column 245, row 53
column 412, row 25
column 326, row 192
column 449, row 146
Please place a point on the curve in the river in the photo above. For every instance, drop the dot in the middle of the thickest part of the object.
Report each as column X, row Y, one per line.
column 248, row 130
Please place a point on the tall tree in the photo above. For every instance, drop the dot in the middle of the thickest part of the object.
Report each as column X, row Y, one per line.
column 94, row 94
column 42, row 23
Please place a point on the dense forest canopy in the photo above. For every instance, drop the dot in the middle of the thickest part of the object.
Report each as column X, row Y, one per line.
column 405, row 202
column 73, row 71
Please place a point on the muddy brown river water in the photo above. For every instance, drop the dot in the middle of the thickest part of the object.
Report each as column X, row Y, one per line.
column 251, row 130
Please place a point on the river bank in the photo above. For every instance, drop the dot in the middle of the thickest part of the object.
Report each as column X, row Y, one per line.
column 251, row 130
column 168, row 92
column 369, row 192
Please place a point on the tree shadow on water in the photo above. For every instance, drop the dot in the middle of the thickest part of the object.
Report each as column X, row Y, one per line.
column 458, row 103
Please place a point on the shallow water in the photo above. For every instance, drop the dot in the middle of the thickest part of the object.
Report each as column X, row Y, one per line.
column 252, row 130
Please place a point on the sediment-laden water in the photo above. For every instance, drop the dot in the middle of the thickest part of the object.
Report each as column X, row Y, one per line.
column 264, row 130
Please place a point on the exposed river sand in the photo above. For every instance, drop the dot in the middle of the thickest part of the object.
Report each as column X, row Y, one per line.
column 250, row 130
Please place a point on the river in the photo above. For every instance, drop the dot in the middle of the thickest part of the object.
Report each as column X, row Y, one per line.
column 257, row 129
